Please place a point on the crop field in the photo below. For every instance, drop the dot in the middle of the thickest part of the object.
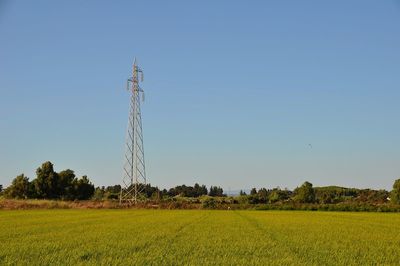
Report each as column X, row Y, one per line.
column 171, row 237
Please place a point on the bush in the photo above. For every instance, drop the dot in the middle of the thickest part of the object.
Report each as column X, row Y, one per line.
column 209, row 203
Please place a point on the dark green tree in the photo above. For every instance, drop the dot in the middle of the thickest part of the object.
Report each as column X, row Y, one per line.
column 20, row 188
column 253, row 191
column 263, row 195
column 395, row 194
column 187, row 191
column 64, row 185
column 203, row 190
column 112, row 192
column 199, row 190
column 46, row 182
column 216, row 191
column 83, row 188
column 305, row 193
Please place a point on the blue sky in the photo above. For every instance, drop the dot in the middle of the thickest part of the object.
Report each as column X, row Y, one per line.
column 235, row 91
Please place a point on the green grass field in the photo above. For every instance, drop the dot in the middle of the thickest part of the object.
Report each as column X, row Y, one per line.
column 132, row 237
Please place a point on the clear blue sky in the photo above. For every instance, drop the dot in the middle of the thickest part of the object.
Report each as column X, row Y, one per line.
column 235, row 90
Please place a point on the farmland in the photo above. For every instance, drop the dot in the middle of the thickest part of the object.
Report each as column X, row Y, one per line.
column 132, row 237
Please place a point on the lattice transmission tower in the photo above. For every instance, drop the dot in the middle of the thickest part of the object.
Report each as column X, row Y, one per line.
column 134, row 179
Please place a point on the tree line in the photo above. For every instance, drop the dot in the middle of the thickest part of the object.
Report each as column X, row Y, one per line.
column 64, row 185
column 49, row 184
column 306, row 193
column 150, row 192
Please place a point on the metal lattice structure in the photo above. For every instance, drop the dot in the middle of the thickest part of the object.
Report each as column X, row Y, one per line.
column 134, row 179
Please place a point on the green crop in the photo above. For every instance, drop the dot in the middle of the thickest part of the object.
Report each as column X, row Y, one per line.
column 198, row 237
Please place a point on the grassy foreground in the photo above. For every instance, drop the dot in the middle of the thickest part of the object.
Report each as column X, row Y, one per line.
column 142, row 237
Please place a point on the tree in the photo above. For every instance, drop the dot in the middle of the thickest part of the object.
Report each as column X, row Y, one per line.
column 20, row 188
column 253, row 191
column 216, row 191
column 203, row 190
column 1, row 188
column 326, row 197
column 83, row 188
column 187, row 191
column 99, row 193
column 278, row 194
column 305, row 193
column 112, row 192
column 263, row 195
column 395, row 194
column 46, row 182
column 199, row 190
column 64, row 185
column 149, row 190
